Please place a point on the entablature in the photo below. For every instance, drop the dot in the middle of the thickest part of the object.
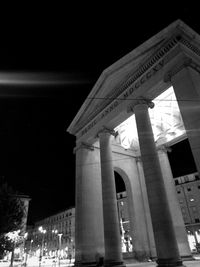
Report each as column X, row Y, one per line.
column 148, row 79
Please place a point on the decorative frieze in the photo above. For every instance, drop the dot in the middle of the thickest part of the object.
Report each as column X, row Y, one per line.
column 127, row 87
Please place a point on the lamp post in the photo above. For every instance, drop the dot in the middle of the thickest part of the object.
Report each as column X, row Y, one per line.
column 59, row 243
column 54, row 231
column 30, row 250
column 43, row 232
column 25, row 250
column 59, row 236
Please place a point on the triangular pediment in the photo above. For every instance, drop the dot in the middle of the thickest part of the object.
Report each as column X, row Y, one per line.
column 117, row 76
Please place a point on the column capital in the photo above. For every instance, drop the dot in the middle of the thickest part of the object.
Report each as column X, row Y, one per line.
column 140, row 100
column 164, row 148
column 83, row 145
column 104, row 129
column 176, row 68
column 138, row 159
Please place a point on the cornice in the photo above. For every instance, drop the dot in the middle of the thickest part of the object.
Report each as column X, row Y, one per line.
column 147, row 65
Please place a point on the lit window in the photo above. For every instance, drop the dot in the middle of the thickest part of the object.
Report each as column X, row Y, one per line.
column 122, row 203
column 191, row 199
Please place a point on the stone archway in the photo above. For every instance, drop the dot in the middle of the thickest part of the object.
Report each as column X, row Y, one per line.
column 124, row 215
column 140, row 224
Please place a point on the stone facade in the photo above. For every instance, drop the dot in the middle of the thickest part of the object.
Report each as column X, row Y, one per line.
column 130, row 95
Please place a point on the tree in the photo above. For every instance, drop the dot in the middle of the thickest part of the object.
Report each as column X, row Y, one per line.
column 11, row 215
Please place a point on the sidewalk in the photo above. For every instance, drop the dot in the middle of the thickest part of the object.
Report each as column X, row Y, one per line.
column 194, row 263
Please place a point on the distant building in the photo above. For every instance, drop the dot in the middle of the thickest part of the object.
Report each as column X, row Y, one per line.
column 188, row 194
column 126, row 239
column 58, row 236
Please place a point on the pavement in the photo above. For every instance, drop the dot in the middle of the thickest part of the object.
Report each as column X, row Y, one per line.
column 193, row 263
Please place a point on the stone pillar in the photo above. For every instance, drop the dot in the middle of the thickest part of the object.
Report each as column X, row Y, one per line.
column 186, row 84
column 112, row 239
column 164, row 234
column 89, row 240
column 174, row 206
column 150, row 235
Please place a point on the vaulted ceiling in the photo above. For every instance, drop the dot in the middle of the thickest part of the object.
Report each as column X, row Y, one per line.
column 165, row 118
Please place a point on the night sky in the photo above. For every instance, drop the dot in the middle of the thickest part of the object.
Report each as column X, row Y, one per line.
column 77, row 42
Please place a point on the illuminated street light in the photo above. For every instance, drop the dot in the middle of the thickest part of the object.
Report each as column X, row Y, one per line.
column 31, row 246
column 42, row 231
column 55, row 231
column 60, row 236
column 25, row 251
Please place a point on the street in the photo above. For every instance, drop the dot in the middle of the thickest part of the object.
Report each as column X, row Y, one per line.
column 195, row 263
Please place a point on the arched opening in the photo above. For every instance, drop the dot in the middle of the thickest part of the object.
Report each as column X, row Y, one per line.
column 123, row 213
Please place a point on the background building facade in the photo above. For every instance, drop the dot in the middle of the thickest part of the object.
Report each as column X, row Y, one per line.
column 188, row 195
column 53, row 235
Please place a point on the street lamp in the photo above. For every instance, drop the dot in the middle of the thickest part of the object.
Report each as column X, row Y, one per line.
column 25, row 250
column 60, row 236
column 55, row 231
column 30, row 250
column 43, row 232
column 60, row 242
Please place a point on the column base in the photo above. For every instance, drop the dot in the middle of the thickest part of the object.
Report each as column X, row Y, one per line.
column 169, row 262
column 114, row 263
column 187, row 258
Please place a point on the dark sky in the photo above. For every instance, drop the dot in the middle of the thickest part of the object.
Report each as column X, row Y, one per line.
column 77, row 41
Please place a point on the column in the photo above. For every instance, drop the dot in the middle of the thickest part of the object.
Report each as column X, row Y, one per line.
column 112, row 239
column 150, row 236
column 164, row 234
column 174, row 206
column 89, row 240
column 186, row 84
